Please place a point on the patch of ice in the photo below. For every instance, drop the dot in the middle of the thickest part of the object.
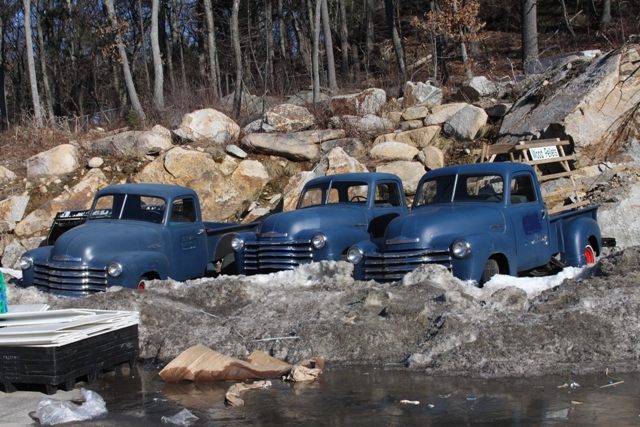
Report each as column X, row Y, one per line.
column 534, row 286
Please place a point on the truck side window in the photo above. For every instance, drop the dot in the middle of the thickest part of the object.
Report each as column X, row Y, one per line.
column 312, row 196
column 387, row 195
column 105, row 207
column 483, row 188
column 183, row 210
column 357, row 193
column 522, row 190
column 151, row 209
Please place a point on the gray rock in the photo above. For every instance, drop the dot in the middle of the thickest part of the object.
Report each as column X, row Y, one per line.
column 369, row 101
column 421, row 94
column 12, row 253
column 207, row 124
column 409, row 172
column 13, row 208
column 130, row 144
column 6, row 174
column 432, row 157
column 287, row 118
column 351, row 146
column 236, row 151
column 56, row 161
column 388, row 151
column 466, row 124
column 95, row 162
column 478, row 88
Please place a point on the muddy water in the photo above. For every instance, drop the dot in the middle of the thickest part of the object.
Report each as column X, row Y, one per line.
column 373, row 397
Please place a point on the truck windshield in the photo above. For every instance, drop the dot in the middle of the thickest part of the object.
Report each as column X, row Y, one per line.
column 460, row 188
column 335, row 192
column 129, row 206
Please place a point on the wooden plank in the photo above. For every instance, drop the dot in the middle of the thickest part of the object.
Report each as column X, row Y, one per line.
column 541, row 143
column 557, row 175
column 560, row 209
column 567, row 191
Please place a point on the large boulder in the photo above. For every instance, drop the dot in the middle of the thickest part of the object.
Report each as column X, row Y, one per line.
column 297, row 146
column 11, row 254
column 591, row 108
column 431, row 157
column 57, row 161
column 441, row 113
column 369, row 101
column 418, row 138
column 478, row 88
column 78, row 197
column 409, row 172
column 393, row 150
column 12, row 209
column 421, row 94
column 467, row 123
column 287, row 118
column 134, row 144
column 6, row 174
column 207, row 124
column 368, row 124
column 622, row 220
column 225, row 188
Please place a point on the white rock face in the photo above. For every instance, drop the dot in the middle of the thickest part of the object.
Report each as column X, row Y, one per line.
column 409, row 172
column 57, row 161
column 466, row 123
column 208, row 124
column 6, row 174
column 287, row 118
column 623, row 220
column 12, row 209
column 369, row 101
column 422, row 94
column 392, row 150
column 96, row 162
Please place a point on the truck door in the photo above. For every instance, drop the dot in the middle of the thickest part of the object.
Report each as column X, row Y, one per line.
column 530, row 223
column 188, row 240
column 387, row 205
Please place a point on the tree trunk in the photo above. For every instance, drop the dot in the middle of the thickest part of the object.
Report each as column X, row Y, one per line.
column 356, row 63
column 530, row 63
column 212, row 54
column 142, row 47
column 347, row 72
column 128, row 78
column 4, row 116
column 370, row 34
column 605, row 16
column 31, row 64
column 316, row 52
column 158, row 73
column 284, row 57
column 43, row 64
column 176, row 40
column 235, row 37
column 328, row 45
column 395, row 37
column 303, row 41
column 268, row 6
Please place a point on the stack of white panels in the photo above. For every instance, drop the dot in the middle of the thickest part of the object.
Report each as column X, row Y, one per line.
column 56, row 328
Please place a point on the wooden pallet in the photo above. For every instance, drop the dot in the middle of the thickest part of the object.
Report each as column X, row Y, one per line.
column 537, row 154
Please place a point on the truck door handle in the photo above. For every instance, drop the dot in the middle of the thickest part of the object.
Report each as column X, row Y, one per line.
column 544, row 214
column 359, row 225
column 200, row 231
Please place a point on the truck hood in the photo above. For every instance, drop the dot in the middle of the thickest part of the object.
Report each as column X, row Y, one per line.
column 291, row 225
column 436, row 226
column 99, row 238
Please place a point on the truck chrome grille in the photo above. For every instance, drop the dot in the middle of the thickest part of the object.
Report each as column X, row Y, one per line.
column 81, row 280
column 270, row 256
column 392, row 266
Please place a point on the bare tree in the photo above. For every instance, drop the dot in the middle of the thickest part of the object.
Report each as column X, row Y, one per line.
column 530, row 61
column 347, row 72
column 268, row 12
column 212, row 54
column 43, row 63
column 395, row 37
column 328, row 44
column 235, row 37
column 128, row 78
column 316, row 51
column 370, row 33
column 605, row 16
column 158, row 73
column 31, row 64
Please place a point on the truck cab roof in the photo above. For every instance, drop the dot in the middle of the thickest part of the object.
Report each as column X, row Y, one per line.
column 165, row 191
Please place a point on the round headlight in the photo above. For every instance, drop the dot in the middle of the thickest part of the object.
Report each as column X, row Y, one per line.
column 114, row 269
column 26, row 262
column 354, row 255
column 237, row 244
column 318, row 240
column 460, row 248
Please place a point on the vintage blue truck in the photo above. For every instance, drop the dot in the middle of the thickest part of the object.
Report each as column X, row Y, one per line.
column 479, row 220
column 131, row 234
column 333, row 213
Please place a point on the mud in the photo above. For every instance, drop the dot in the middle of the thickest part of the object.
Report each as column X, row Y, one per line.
column 430, row 322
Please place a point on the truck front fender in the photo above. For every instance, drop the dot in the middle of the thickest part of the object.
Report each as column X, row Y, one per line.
column 577, row 234
column 152, row 265
column 485, row 246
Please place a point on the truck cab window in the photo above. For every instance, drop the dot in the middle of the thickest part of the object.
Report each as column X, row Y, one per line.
column 522, row 190
column 313, row 196
column 183, row 210
column 387, row 195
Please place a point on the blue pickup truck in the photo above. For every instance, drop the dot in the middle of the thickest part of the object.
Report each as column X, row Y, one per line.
column 479, row 220
column 333, row 213
column 131, row 234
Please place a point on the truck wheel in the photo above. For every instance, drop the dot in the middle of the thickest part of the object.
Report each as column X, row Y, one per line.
column 142, row 283
column 491, row 268
column 589, row 255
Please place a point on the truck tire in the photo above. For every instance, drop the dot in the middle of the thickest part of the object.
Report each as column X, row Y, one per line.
column 589, row 255
column 491, row 268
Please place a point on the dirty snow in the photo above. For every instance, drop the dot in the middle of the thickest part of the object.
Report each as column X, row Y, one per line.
column 579, row 321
